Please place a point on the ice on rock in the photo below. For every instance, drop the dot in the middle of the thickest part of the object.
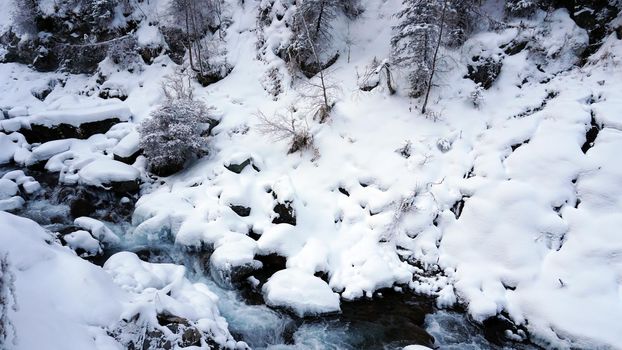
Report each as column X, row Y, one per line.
column 301, row 292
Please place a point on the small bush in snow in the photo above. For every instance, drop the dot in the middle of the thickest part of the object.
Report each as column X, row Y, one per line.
column 477, row 97
column 123, row 52
column 287, row 127
column 176, row 131
column 7, row 301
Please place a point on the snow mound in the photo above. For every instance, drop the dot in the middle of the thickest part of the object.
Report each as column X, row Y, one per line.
column 304, row 294
column 128, row 145
column 79, row 116
column 103, row 172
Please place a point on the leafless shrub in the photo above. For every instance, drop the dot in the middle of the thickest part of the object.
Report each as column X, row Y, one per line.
column 178, row 86
column 287, row 127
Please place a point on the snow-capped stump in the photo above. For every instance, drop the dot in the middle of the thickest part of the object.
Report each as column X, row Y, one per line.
column 112, row 174
column 484, row 70
column 301, row 293
column 72, row 123
column 128, row 148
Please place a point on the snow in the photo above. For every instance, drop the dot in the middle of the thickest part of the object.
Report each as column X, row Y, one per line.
column 8, row 188
column 7, row 148
column 98, row 229
column 82, row 301
column 536, row 239
column 103, row 172
column 83, row 240
column 78, row 116
column 304, row 294
column 128, row 145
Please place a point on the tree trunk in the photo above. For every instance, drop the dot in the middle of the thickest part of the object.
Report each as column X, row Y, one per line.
column 319, row 64
column 438, row 45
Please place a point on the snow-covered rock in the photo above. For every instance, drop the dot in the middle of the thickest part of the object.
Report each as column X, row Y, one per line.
column 98, row 229
column 300, row 292
column 110, row 173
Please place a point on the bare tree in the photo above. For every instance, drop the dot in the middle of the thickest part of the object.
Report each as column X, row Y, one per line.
column 286, row 127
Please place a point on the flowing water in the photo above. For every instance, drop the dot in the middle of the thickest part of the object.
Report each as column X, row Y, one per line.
column 390, row 320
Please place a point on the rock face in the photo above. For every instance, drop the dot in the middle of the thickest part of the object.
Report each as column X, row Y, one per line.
column 42, row 133
column 484, row 71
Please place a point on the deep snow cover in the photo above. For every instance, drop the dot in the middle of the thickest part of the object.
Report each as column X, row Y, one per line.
column 502, row 207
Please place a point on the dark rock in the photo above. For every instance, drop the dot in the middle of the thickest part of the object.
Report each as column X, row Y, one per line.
column 148, row 54
column 122, row 187
column 175, row 39
column 167, row 170
column 214, row 75
column 128, row 160
column 42, row 133
column 82, row 206
column 344, row 191
column 108, row 93
column 457, row 207
column 237, row 168
column 591, row 135
column 514, row 47
column 484, row 71
column 311, row 69
column 241, row 210
column 285, row 214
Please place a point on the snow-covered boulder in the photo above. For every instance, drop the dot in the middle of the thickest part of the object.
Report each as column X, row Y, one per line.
column 128, row 148
column 233, row 259
column 8, row 147
column 109, row 173
column 79, row 123
column 98, row 229
column 300, row 292
column 83, row 243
